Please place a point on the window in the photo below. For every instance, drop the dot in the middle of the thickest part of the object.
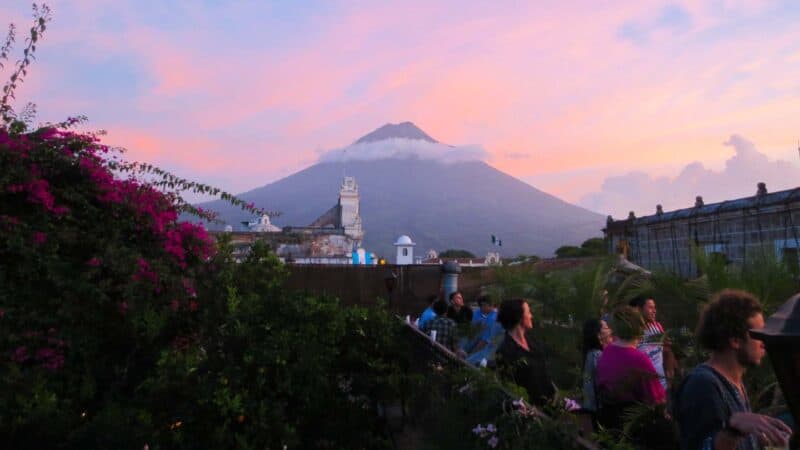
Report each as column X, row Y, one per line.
column 790, row 259
column 405, row 252
column 787, row 251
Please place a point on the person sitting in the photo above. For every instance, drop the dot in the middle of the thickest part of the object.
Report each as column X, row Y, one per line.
column 711, row 407
column 428, row 313
column 520, row 357
column 457, row 311
column 490, row 332
column 596, row 336
column 625, row 376
column 444, row 326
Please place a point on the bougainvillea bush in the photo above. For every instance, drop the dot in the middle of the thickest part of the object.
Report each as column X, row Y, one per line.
column 97, row 277
column 121, row 326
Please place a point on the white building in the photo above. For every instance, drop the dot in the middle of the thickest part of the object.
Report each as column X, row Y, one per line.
column 405, row 251
column 262, row 225
column 350, row 217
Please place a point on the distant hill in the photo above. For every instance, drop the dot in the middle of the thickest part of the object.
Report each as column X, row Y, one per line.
column 440, row 205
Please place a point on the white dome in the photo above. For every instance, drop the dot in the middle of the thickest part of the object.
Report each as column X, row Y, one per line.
column 404, row 240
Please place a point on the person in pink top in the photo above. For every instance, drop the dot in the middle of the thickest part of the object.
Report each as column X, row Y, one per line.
column 625, row 375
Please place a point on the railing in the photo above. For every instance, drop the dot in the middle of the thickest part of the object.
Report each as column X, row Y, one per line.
column 427, row 350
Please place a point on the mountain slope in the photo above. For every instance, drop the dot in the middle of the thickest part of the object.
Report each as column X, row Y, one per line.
column 405, row 130
column 453, row 205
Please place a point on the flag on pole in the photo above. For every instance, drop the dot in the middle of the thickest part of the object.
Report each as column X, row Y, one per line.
column 496, row 241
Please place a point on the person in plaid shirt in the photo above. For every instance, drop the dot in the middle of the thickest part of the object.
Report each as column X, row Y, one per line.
column 655, row 344
column 444, row 326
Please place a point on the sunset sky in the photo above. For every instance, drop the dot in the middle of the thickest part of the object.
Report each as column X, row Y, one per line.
column 606, row 104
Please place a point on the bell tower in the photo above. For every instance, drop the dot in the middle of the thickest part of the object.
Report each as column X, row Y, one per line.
column 349, row 215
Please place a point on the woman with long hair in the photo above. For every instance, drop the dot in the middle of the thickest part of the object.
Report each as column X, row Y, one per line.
column 596, row 336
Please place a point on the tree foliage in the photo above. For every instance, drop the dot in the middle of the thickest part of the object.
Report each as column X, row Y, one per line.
column 590, row 247
column 456, row 253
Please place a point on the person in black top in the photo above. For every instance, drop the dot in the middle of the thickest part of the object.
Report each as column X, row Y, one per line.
column 520, row 357
column 457, row 311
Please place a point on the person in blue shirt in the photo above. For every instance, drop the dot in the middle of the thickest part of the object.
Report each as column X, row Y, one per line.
column 490, row 334
column 428, row 314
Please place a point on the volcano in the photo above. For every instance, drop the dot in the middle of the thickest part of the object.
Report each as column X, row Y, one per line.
column 411, row 184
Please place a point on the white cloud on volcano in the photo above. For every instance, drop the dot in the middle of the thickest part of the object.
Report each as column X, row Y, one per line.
column 405, row 148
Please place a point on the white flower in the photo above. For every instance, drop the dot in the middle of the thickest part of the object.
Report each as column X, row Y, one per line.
column 491, row 428
column 493, row 441
column 479, row 429
column 571, row 405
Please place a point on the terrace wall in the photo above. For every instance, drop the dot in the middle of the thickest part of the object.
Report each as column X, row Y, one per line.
column 363, row 285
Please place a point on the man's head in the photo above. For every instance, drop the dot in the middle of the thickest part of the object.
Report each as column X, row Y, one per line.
column 725, row 322
column 440, row 307
column 456, row 299
column 485, row 304
column 646, row 306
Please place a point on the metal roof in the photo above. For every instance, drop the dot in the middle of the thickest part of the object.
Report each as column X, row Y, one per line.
column 755, row 201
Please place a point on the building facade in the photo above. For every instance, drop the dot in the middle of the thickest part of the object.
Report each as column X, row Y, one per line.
column 740, row 231
column 335, row 237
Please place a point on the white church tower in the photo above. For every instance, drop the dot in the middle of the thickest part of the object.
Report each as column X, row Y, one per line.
column 405, row 251
column 350, row 218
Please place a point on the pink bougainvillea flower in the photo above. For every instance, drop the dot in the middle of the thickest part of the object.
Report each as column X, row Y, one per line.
column 54, row 363
column 20, row 354
column 11, row 220
column 123, row 308
column 60, row 211
column 94, row 261
column 145, row 272
column 39, row 238
column 45, row 353
column 189, row 287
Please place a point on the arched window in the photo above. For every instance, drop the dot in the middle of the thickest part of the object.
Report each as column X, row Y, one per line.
column 405, row 252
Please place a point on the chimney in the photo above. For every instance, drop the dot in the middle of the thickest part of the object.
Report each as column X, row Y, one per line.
column 698, row 201
column 659, row 210
column 762, row 189
column 631, row 216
